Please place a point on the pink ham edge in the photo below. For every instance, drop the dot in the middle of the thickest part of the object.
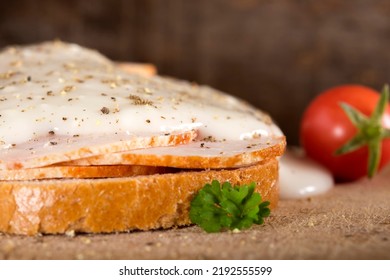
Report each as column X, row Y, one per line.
column 197, row 154
column 50, row 150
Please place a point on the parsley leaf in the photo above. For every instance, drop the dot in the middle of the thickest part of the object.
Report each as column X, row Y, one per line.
column 217, row 207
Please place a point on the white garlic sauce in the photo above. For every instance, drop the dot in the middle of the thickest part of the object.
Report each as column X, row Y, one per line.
column 301, row 177
column 71, row 90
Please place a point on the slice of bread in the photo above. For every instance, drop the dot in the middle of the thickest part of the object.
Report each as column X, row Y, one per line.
column 118, row 204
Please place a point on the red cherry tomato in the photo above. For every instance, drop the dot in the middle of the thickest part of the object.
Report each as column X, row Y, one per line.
column 325, row 128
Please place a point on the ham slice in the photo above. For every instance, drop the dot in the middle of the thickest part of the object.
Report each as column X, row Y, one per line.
column 197, row 154
column 138, row 68
column 80, row 172
column 53, row 149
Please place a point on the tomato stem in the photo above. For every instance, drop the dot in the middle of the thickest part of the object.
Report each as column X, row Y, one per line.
column 370, row 132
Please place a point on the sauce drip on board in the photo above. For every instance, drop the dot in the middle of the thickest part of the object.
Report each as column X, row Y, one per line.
column 301, row 177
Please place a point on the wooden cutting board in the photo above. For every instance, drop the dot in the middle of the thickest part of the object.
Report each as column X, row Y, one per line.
column 350, row 222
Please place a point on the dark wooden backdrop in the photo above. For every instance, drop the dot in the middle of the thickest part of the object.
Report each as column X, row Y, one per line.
column 276, row 54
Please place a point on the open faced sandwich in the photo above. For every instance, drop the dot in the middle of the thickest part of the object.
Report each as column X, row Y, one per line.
column 86, row 146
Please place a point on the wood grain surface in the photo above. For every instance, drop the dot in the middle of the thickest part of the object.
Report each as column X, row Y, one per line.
column 350, row 222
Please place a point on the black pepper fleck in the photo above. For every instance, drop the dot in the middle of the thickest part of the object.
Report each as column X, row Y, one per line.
column 139, row 101
column 209, row 139
column 105, row 110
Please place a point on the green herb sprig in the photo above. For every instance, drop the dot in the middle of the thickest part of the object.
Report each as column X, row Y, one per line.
column 217, row 207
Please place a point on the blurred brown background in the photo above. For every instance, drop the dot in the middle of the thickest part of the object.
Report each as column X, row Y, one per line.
column 275, row 54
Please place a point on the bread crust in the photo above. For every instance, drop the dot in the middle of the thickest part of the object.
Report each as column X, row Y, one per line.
column 118, row 204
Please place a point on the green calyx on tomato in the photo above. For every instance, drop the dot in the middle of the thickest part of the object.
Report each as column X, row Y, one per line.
column 370, row 132
column 325, row 128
